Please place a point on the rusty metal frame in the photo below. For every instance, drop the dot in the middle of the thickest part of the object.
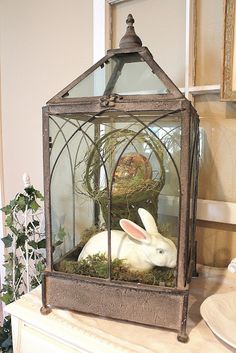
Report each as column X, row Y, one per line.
column 136, row 301
column 182, row 286
column 143, row 304
column 47, row 193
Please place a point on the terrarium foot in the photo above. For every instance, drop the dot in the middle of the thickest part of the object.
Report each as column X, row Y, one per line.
column 45, row 310
column 182, row 337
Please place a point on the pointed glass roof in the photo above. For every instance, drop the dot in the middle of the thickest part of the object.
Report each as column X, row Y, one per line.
column 124, row 74
column 127, row 71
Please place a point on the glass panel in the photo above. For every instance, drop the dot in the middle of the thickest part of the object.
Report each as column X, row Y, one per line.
column 218, row 141
column 124, row 74
column 216, row 243
column 115, row 191
column 73, row 212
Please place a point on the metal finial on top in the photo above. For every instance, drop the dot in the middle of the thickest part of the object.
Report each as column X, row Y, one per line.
column 130, row 39
column 130, row 20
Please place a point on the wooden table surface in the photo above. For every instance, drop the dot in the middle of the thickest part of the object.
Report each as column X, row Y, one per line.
column 99, row 335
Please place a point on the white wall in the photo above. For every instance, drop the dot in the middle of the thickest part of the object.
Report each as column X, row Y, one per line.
column 161, row 27
column 44, row 45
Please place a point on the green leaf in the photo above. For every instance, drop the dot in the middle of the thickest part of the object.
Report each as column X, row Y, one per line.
column 7, row 241
column 14, row 230
column 33, row 244
column 30, row 190
column 5, row 288
column 40, row 267
column 9, row 220
column 13, row 202
column 39, row 195
column 38, row 245
column 6, row 336
column 59, row 242
column 6, row 298
column 35, row 223
column 21, row 240
column 30, row 226
column 6, row 209
column 42, row 244
column 34, row 205
column 7, row 343
column 61, row 234
column 21, row 202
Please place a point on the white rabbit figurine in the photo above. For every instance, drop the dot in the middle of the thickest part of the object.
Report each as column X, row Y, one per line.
column 140, row 249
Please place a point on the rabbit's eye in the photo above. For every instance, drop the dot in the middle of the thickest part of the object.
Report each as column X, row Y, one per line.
column 160, row 251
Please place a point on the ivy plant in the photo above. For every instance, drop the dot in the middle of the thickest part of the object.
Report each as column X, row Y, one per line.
column 24, row 252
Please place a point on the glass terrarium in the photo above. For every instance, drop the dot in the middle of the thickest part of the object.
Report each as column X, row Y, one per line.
column 120, row 164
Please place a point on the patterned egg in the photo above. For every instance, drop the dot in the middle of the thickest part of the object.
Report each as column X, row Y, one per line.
column 133, row 168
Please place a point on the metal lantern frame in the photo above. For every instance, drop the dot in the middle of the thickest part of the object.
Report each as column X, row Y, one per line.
column 145, row 304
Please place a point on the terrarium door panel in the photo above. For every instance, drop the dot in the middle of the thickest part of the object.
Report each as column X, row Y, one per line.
column 73, row 212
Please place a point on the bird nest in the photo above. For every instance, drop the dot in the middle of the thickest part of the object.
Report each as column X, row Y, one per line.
column 124, row 171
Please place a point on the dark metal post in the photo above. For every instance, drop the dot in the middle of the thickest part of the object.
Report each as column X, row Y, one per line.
column 47, row 203
column 184, row 199
column 182, row 334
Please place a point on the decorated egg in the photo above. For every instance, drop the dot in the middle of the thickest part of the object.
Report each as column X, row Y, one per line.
column 132, row 169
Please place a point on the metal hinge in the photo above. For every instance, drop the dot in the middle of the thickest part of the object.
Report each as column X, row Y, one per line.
column 50, row 142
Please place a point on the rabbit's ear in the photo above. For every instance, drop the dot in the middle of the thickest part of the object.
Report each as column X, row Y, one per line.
column 148, row 221
column 134, row 231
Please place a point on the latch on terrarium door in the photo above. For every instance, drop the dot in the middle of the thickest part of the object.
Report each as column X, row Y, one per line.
column 110, row 101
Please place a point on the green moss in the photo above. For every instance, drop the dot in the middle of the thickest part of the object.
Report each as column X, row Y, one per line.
column 96, row 266
column 88, row 233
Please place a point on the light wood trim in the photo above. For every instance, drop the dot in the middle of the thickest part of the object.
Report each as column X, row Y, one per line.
column 197, row 90
column 99, row 24
column 102, row 28
column 216, row 211
column 108, row 26
column 228, row 52
column 190, row 48
column 207, row 210
column 206, row 89
column 113, row 2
